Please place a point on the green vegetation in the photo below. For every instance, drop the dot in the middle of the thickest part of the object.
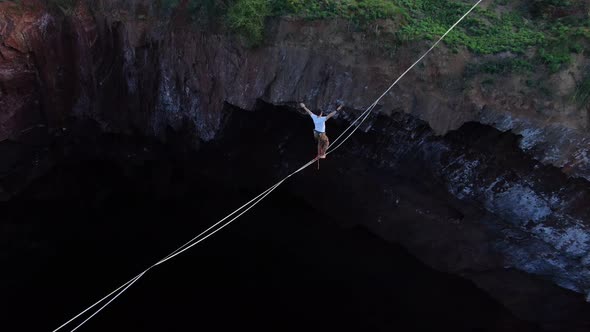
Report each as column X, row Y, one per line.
column 484, row 32
column 525, row 29
column 582, row 95
column 562, row 41
column 504, row 66
column 247, row 17
column 357, row 11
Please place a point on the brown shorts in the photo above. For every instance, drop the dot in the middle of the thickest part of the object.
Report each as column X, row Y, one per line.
column 323, row 142
column 320, row 136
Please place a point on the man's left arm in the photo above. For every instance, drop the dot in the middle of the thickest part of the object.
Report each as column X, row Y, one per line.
column 333, row 113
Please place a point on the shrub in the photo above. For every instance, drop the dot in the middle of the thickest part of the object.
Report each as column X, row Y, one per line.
column 498, row 67
column 247, row 17
column 484, row 32
column 582, row 94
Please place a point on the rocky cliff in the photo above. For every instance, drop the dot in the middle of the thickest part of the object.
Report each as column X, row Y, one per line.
column 120, row 64
column 514, row 158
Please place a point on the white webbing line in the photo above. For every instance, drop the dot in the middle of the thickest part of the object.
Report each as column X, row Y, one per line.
column 262, row 196
column 129, row 284
column 134, row 279
column 368, row 111
column 181, row 249
column 193, row 242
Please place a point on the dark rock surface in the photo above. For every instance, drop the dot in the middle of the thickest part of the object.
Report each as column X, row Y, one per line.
column 489, row 183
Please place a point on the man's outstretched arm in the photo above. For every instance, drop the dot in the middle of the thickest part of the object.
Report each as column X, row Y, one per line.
column 305, row 108
column 336, row 111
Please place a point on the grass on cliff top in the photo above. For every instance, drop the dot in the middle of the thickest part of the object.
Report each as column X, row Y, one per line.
column 485, row 31
column 248, row 16
column 503, row 26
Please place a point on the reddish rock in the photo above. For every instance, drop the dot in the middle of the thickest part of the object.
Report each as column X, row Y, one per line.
column 35, row 67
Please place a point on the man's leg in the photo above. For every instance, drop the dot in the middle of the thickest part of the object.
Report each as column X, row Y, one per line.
column 317, row 138
column 324, row 143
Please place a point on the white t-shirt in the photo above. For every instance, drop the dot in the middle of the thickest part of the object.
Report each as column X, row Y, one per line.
column 319, row 122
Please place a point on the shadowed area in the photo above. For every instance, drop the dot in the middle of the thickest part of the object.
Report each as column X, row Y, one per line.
column 283, row 266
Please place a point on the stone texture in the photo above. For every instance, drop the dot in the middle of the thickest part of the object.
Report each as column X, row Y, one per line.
column 116, row 63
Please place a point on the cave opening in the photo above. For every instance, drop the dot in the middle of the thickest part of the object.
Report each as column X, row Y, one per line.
column 113, row 204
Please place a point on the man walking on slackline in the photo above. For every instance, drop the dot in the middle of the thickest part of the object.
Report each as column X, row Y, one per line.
column 319, row 131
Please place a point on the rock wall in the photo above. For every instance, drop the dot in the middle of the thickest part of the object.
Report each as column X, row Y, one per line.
column 36, row 75
column 470, row 202
column 117, row 63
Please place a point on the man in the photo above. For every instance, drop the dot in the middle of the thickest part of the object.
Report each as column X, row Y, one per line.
column 319, row 131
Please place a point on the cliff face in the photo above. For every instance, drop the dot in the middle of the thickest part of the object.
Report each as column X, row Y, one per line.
column 120, row 65
column 469, row 203
column 36, row 79
column 117, row 64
